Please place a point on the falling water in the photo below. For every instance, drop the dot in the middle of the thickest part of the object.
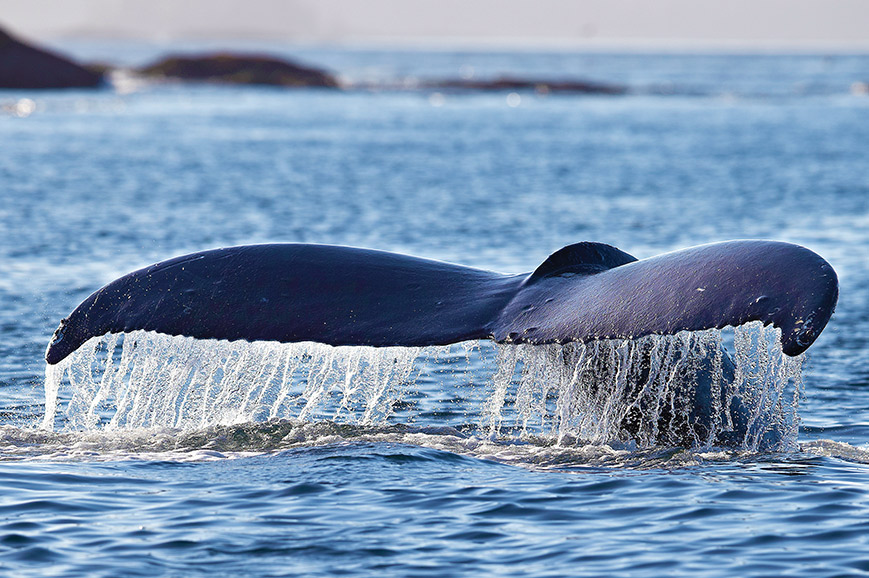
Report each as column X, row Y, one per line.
column 678, row 390
column 683, row 389
column 145, row 379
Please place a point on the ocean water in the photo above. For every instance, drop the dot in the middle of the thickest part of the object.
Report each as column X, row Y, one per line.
column 213, row 458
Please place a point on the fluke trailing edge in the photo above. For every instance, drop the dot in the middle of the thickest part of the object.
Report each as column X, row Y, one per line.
column 349, row 296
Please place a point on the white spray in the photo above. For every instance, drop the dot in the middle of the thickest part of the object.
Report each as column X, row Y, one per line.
column 636, row 391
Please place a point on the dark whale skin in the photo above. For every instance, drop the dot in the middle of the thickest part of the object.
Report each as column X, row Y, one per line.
column 350, row 296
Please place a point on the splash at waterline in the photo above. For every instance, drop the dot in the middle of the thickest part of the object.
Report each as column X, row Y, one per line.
column 692, row 388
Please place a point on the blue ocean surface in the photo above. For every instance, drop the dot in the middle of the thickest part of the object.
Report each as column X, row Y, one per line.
column 419, row 468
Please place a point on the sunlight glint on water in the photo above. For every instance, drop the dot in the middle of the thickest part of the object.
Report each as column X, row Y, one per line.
column 680, row 389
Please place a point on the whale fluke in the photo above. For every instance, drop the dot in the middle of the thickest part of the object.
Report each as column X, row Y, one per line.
column 585, row 257
column 349, row 296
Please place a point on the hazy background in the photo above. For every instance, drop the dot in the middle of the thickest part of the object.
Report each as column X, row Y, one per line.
column 664, row 23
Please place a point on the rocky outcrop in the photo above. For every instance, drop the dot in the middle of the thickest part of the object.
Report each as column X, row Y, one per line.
column 524, row 84
column 25, row 66
column 239, row 69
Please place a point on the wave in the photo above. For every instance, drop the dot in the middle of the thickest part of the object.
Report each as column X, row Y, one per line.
column 277, row 436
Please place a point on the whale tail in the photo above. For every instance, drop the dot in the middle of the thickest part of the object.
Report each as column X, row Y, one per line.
column 349, row 296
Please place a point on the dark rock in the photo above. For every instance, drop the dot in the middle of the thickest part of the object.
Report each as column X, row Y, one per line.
column 101, row 68
column 523, row 84
column 24, row 66
column 239, row 69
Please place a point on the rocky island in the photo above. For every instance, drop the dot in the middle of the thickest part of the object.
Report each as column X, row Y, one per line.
column 238, row 69
column 25, row 66
column 540, row 86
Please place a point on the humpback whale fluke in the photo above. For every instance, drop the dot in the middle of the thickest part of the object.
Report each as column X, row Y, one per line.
column 349, row 296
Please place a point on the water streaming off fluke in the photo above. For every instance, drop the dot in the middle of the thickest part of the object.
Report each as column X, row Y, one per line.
column 145, row 379
column 685, row 389
column 659, row 390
